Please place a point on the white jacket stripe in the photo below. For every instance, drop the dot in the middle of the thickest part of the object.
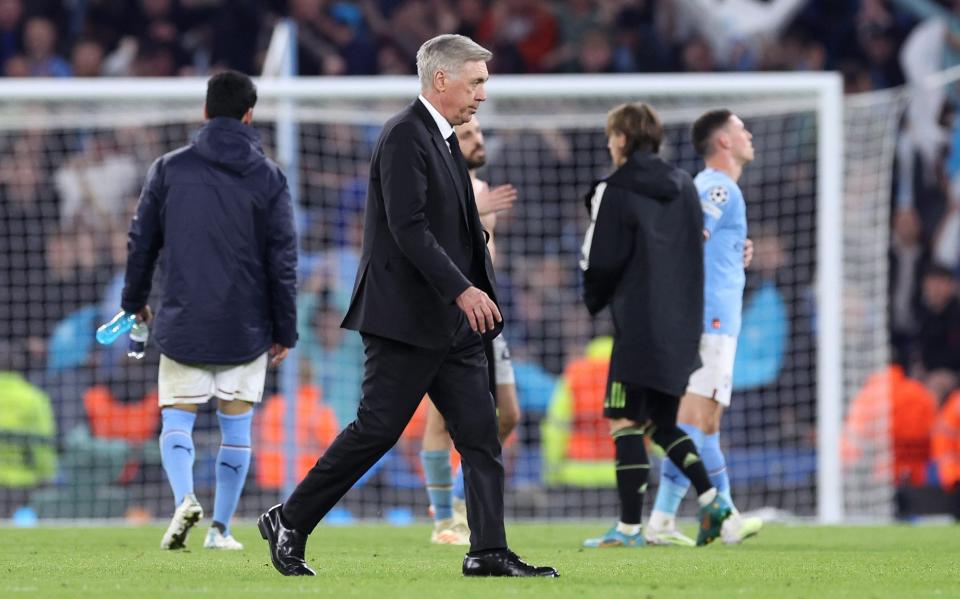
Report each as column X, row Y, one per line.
column 594, row 210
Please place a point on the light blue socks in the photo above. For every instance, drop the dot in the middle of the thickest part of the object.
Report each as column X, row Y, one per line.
column 436, row 471
column 716, row 465
column 459, row 492
column 177, row 451
column 233, row 462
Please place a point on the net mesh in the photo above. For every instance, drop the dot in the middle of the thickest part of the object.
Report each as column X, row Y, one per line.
column 69, row 185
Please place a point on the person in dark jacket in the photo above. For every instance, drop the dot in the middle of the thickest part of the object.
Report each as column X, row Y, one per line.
column 643, row 257
column 423, row 299
column 219, row 215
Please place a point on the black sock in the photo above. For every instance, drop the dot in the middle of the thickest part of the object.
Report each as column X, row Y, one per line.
column 483, row 552
column 683, row 453
column 286, row 523
column 632, row 471
column 219, row 526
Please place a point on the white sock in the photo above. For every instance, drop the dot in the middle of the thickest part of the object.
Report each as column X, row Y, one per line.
column 662, row 521
column 628, row 529
column 707, row 497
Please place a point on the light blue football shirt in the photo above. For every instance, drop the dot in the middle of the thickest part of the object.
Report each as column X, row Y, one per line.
column 725, row 220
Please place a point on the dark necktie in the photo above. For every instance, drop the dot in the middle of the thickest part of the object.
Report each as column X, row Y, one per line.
column 458, row 158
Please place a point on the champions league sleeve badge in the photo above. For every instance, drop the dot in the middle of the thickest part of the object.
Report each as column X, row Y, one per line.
column 719, row 195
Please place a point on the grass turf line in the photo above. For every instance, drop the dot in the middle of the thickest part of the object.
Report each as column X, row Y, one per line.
column 385, row 562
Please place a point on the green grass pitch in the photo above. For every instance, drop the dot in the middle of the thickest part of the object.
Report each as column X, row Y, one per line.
column 384, row 562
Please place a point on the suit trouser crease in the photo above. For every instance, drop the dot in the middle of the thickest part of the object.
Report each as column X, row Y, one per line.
column 396, row 377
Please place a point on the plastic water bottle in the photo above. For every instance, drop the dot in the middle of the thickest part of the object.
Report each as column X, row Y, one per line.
column 122, row 323
column 139, row 333
column 118, row 325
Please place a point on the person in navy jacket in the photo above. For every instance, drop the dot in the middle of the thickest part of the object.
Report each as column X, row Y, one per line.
column 217, row 214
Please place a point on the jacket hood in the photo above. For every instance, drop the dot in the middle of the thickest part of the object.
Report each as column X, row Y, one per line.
column 648, row 174
column 229, row 144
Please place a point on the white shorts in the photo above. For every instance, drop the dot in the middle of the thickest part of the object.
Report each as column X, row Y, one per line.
column 502, row 366
column 196, row 383
column 715, row 378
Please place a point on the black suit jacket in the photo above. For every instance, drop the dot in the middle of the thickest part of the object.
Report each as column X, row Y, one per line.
column 423, row 243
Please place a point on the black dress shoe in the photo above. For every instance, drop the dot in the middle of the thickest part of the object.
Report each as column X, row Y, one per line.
column 287, row 546
column 503, row 563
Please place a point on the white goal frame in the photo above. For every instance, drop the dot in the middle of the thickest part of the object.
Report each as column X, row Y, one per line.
column 826, row 87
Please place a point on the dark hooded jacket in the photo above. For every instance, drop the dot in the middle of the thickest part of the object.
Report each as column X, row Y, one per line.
column 643, row 256
column 219, row 216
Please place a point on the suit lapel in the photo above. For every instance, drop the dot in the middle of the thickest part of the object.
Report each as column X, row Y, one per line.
column 453, row 170
column 440, row 145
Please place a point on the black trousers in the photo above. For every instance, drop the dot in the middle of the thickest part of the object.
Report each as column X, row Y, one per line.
column 396, row 377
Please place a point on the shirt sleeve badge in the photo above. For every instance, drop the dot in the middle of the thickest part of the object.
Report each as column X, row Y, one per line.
column 719, row 195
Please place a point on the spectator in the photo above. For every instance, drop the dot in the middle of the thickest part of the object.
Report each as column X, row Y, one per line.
column 334, row 355
column 161, row 24
column 235, row 34
column 735, row 29
column 521, row 34
column 927, row 49
column 893, row 409
column 11, row 29
column 27, row 430
column 28, row 217
column 575, row 19
column 40, row 43
column 909, row 259
column 470, row 13
column 593, row 55
column 575, row 437
column 696, row 56
column 94, row 184
column 392, row 61
column 765, row 330
column 87, row 59
column 16, row 66
column 939, row 339
column 945, row 448
column 156, row 60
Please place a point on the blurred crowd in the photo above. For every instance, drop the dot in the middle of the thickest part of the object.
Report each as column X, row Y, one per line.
column 161, row 38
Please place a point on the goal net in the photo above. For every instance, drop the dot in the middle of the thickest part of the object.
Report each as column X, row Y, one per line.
column 818, row 196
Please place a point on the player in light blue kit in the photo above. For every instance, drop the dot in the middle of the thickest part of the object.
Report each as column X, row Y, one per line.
column 725, row 144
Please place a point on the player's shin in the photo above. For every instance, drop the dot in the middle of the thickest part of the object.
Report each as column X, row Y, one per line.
column 716, row 465
column 633, row 468
column 177, row 450
column 439, row 481
column 233, row 462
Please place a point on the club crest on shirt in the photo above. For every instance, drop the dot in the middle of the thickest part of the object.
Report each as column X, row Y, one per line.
column 719, row 195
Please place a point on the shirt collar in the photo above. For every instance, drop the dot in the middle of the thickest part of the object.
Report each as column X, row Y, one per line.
column 446, row 129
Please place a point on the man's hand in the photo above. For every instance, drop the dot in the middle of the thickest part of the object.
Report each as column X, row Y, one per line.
column 145, row 315
column 496, row 199
column 277, row 354
column 747, row 253
column 481, row 312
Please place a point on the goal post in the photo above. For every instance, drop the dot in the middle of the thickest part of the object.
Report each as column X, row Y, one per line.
column 545, row 136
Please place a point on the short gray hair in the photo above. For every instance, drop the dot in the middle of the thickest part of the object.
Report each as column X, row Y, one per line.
column 447, row 53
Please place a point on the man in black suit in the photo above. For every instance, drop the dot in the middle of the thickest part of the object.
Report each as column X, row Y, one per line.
column 423, row 299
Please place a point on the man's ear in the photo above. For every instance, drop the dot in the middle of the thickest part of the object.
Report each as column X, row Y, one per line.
column 440, row 81
column 205, row 117
column 723, row 140
column 247, row 118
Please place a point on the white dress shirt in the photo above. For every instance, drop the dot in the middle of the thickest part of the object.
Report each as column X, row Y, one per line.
column 446, row 129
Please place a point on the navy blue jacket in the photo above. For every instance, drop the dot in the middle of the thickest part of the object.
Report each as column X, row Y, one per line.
column 218, row 214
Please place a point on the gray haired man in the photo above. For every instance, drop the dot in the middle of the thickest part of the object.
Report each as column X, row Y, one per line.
column 423, row 301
